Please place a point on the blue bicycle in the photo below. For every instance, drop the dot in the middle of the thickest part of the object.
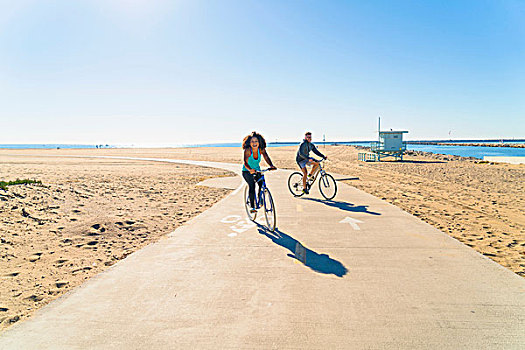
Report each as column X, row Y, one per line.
column 263, row 199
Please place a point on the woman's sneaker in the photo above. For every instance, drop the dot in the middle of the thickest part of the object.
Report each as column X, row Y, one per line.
column 253, row 210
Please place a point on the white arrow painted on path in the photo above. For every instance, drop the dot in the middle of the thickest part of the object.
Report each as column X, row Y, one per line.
column 353, row 222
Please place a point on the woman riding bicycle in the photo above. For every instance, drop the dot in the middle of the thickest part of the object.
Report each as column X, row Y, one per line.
column 254, row 146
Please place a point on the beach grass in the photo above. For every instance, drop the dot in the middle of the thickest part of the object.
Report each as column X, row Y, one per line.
column 4, row 184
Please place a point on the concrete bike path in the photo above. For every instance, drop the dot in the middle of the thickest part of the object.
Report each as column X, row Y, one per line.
column 355, row 272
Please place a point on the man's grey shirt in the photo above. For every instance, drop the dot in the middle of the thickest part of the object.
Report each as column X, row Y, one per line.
column 304, row 151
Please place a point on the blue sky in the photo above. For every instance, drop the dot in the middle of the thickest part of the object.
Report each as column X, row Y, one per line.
column 150, row 72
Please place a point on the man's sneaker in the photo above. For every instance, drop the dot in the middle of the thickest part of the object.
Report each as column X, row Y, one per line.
column 305, row 191
column 253, row 210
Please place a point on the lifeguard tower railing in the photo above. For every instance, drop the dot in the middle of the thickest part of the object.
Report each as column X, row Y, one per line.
column 383, row 150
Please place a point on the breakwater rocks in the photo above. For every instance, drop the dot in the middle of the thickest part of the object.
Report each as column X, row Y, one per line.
column 510, row 145
column 437, row 156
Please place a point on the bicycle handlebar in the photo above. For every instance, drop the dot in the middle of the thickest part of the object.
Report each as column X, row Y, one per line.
column 264, row 170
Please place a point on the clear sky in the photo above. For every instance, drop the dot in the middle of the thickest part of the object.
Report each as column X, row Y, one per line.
column 150, row 72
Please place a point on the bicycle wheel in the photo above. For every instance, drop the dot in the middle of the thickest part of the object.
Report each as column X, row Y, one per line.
column 269, row 210
column 247, row 205
column 327, row 186
column 295, row 184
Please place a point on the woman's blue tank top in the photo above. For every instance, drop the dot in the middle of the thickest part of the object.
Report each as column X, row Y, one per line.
column 253, row 163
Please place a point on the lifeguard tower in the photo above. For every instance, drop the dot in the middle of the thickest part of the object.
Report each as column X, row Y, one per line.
column 390, row 144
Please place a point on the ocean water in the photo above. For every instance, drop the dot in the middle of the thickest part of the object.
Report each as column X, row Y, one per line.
column 46, row 146
column 463, row 151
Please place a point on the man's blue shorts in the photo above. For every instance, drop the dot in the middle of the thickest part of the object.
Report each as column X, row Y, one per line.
column 303, row 163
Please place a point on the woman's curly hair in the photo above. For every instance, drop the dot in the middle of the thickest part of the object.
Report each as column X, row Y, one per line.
column 247, row 139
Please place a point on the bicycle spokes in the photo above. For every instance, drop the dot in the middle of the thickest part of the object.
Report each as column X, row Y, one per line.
column 247, row 204
column 295, row 184
column 269, row 210
column 327, row 186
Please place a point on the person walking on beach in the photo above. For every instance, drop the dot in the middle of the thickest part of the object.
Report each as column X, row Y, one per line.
column 303, row 158
column 254, row 146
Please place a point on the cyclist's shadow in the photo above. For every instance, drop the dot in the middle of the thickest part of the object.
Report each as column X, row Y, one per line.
column 321, row 263
column 343, row 205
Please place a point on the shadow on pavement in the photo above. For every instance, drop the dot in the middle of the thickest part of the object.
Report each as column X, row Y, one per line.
column 343, row 205
column 321, row 263
column 416, row 161
column 347, row 179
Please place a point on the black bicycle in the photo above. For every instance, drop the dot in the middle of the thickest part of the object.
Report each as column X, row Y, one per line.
column 263, row 199
column 327, row 184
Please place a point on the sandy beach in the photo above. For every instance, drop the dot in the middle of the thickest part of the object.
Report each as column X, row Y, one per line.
column 90, row 213
column 86, row 215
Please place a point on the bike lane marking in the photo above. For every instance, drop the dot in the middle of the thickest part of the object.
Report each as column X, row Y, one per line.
column 240, row 225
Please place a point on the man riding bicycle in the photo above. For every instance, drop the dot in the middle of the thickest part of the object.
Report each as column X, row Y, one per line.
column 303, row 158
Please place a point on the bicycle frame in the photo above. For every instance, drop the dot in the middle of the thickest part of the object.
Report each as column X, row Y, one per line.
column 320, row 171
column 259, row 203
